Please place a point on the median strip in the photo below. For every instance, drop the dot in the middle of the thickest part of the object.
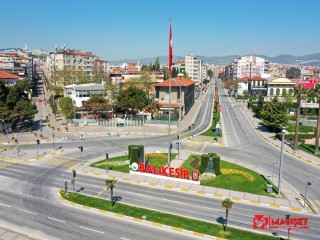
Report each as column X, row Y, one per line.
column 156, row 218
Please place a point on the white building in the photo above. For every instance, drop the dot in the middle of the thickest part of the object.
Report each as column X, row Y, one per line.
column 250, row 66
column 193, row 68
column 82, row 93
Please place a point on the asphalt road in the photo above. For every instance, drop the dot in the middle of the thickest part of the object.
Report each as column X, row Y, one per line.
column 32, row 188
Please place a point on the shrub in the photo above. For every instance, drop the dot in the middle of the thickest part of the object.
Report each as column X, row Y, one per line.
column 129, row 150
column 134, row 154
column 204, row 163
column 216, row 164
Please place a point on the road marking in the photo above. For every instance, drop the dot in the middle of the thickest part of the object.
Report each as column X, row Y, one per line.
column 90, row 229
column 314, row 205
column 54, row 219
column 28, row 212
column 202, row 149
column 124, row 238
column 1, row 204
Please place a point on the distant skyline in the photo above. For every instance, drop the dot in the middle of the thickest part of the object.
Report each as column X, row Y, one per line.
column 124, row 29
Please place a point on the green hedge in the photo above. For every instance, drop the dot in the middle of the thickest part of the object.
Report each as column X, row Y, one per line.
column 204, row 163
column 129, row 150
column 135, row 152
column 290, row 136
column 216, row 164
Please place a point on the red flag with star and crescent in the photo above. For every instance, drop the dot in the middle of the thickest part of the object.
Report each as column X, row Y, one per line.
column 170, row 50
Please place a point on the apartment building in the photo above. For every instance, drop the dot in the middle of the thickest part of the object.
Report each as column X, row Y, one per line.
column 76, row 59
column 193, row 68
column 249, row 66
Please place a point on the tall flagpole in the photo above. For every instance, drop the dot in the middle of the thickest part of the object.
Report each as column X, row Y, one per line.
column 169, row 119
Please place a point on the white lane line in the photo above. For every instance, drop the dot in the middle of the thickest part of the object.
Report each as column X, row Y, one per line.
column 1, row 204
column 124, row 238
column 28, row 212
column 90, row 229
column 54, row 219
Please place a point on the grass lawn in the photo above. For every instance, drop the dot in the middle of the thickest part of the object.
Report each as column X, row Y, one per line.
column 121, row 163
column 309, row 148
column 302, row 129
column 234, row 177
column 208, row 228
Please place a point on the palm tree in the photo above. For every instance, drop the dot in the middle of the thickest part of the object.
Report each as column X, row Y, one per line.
column 110, row 185
column 298, row 92
column 227, row 205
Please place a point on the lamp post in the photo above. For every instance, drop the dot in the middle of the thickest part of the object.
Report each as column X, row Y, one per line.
column 179, row 130
column 283, row 132
column 144, row 135
column 53, row 138
column 305, row 193
column 169, row 125
column 288, row 217
column 274, row 163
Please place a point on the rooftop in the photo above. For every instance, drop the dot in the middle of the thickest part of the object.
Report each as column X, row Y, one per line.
column 86, row 87
column 175, row 82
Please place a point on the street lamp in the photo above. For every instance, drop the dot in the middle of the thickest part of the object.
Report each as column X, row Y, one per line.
column 81, row 150
column 288, row 218
column 179, row 130
column 283, row 132
column 274, row 163
column 144, row 135
column 305, row 193
column 53, row 138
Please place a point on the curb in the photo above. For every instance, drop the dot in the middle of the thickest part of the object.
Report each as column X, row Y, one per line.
column 153, row 224
column 20, row 233
column 185, row 190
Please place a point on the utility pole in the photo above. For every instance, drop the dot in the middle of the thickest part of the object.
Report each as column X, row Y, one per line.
column 283, row 132
column 81, row 150
column 38, row 142
column 180, row 117
column 305, row 193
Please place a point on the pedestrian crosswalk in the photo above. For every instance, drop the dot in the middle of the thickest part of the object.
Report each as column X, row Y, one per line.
column 7, row 162
column 61, row 162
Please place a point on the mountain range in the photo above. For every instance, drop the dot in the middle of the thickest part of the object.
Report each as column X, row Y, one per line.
column 305, row 60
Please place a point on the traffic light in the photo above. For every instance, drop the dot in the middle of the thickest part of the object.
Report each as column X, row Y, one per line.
column 38, row 141
column 81, row 148
column 74, row 173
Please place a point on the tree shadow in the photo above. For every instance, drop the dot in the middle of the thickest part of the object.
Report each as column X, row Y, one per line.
column 117, row 198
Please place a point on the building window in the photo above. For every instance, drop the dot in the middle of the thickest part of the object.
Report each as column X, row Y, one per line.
column 271, row 92
column 290, row 92
column 278, row 92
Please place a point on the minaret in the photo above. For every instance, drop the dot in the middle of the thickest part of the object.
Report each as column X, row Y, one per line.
column 138, row 64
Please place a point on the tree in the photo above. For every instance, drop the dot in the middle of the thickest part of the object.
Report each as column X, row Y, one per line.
column 259, row 106
column 157, row 64
column 152, row 108
column 112, row 90
column 274, row 114
column 110, row 185
column 4, row 91
column 245, row 94
column 97, row 103
column 298, row 92
column 227, row 205
column 210, row 73
column 133, row 98
column 99, row 75
column 24, row 110
column 66, row 107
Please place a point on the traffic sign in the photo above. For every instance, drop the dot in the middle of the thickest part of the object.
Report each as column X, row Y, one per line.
column 217, row 130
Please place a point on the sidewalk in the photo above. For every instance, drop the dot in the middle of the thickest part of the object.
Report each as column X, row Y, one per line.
column 269, row 136
column 288, row 203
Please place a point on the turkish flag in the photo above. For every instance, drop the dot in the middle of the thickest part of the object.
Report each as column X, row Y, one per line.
column 170, row 50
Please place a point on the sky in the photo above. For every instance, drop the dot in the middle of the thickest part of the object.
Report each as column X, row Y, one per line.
column 123, row 29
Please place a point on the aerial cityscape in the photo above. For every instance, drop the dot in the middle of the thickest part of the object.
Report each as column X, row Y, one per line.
column 160, row 120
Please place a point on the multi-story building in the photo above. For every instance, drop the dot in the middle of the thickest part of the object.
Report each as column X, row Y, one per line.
column 76, row 59
column 228, row 71
column 183, row 86
column 193, row 68
column 180, row 65
column 250, row 66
